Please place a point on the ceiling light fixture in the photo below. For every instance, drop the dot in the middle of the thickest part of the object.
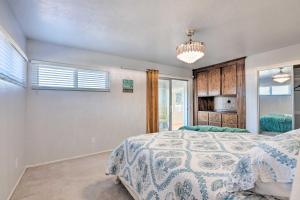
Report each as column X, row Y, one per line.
column 191, row 51
column 281, row 77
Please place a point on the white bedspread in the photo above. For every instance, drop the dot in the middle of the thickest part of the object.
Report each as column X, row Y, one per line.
column 181, row 164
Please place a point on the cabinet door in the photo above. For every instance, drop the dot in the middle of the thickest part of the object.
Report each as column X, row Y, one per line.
column 229, row 120
column 202, row 116
column 202, row 83
column 229, row 125
column 214, row 117
column 204, row 123
column 214, row 82
column 215, row 124
column 229, row 80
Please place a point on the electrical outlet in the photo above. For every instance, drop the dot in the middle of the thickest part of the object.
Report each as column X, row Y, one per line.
column 93, row 140
column 17, row 163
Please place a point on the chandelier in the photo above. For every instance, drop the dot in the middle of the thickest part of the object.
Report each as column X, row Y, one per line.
column 191, row 51
column 281, row 77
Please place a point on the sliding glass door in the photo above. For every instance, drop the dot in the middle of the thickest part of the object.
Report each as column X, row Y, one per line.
column 173, row 103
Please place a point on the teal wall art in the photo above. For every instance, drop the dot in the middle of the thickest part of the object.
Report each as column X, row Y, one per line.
column 127, row 86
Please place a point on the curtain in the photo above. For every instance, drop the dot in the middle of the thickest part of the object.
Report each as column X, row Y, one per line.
column 152, row 101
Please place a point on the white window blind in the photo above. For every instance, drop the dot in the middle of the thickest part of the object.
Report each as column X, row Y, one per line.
column 57, row 77
column 13, row 66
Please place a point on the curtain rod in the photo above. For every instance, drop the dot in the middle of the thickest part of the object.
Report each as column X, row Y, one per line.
column 164, row 74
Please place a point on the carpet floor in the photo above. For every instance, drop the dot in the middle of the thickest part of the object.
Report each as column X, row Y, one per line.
column 78, row 179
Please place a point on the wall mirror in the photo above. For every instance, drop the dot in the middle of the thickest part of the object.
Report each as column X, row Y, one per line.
column 276, row 97
column 296, row 96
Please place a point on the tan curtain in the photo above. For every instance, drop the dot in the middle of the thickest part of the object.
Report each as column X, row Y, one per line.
column 152, row 101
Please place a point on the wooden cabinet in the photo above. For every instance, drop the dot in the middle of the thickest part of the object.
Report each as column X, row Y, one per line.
column 229, row 120
column 229, row 80
column 229, row 125
column 218, row 119
column 214, row 82
column 202, row 118
column 214, row 117
column 215, row 123
column 202, row 84
column 209, row 118
column 203, row 123
column 209, row 83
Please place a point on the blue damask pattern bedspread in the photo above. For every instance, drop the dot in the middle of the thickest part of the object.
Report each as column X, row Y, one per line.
column 181, row 164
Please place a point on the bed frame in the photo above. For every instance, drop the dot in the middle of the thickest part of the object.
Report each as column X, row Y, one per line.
column 129, row 188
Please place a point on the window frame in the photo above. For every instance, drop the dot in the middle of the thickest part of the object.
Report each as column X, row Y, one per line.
column 6, row 77
column 76, row 68
column 281, row 94
column 271, row 91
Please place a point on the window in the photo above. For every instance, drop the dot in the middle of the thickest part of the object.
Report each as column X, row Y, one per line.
column 56, row 77
column 275, row 90
column 13, row 65
column 264, row 90
column 281, row 90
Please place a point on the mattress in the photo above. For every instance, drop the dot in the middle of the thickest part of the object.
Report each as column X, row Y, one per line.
column 181, row 164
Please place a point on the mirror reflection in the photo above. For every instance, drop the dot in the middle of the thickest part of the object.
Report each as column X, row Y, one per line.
column 276, row 100
column 297, row 96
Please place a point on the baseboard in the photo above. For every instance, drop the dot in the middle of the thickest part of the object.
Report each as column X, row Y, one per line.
column 65, row 159
column 51, row 162
column 17, row 183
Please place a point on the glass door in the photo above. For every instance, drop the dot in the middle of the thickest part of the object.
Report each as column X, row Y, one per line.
column 164, row 104
column 173, row 104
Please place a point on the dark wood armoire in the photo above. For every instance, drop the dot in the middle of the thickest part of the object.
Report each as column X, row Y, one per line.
column 219, row 94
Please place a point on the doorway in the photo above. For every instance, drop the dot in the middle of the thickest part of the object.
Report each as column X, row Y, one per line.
column 173, row 103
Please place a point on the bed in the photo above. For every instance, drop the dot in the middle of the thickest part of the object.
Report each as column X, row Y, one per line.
column 181, row 164
column 278, row 123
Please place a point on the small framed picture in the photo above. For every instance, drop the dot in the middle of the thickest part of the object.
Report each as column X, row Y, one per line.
column 127, row 86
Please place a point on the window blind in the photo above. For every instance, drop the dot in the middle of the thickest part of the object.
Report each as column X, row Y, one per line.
column 13, row 65
column 57, row 77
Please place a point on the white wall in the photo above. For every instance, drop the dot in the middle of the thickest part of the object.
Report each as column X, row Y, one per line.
column 63, row 124
column 276, row 58
column 12, row 112
column 10, row 24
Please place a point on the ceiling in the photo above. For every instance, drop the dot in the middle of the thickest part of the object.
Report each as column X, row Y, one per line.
column 151, row 29
column 268, row 73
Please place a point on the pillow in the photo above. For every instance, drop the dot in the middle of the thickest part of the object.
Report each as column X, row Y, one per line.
column 271, row 161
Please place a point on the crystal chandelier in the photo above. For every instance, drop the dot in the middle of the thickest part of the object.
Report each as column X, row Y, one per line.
column 191, row 51
column 281, row 77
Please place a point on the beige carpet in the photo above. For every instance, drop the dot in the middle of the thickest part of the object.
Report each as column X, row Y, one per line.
column 82, row 178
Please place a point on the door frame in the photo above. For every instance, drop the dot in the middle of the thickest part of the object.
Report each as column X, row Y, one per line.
column 258, row 95
column 170, row 98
